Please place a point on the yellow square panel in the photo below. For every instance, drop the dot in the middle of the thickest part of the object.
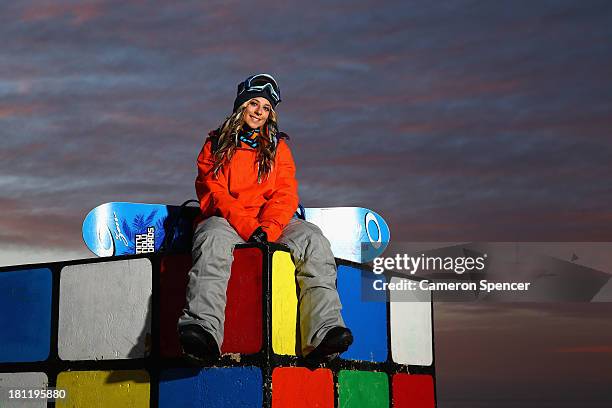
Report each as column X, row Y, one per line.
column 284, row 304
column 104, row 389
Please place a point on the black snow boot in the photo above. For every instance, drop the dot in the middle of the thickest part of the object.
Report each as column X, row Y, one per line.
column 198, row 344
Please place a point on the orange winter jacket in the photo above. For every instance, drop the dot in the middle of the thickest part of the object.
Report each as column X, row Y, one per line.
column 236, row 195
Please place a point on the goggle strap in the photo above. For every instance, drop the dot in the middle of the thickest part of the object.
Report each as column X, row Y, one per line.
column 247, row 87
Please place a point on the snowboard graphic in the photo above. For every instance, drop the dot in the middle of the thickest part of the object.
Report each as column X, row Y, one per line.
column 120, row 228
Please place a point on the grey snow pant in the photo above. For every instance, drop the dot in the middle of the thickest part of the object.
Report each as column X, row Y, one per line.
column 213, row 245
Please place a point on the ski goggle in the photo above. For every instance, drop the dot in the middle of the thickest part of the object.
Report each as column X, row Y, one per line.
column 259, row 83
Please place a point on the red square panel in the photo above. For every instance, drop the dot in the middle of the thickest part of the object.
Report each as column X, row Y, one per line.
column 173, row 283
column 413, row 391
column 243, row 312
column 299, row 387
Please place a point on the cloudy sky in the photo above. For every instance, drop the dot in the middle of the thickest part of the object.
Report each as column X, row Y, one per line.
column 457, row 121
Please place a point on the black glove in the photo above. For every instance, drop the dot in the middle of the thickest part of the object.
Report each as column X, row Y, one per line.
column 259, row 236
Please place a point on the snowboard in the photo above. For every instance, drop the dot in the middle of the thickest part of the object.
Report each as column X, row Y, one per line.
column 121, row 228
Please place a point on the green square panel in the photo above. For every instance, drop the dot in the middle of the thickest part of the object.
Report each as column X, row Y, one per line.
column 362, row 389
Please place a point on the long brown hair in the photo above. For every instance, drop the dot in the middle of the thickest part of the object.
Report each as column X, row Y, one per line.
column 226, row 141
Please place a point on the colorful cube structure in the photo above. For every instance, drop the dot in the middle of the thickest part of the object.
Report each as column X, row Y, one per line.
column 104, row 331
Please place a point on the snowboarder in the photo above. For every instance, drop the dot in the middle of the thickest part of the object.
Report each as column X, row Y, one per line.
column 247, row 191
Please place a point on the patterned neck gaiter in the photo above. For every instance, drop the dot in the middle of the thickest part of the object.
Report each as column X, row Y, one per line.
column 249, row 137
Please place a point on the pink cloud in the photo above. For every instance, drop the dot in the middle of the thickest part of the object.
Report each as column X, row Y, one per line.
column 79, row 13
column 584, row 349
column 8, row 111
column 466, row 87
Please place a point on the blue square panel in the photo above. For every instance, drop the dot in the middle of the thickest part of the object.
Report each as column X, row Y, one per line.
column 211, row 387
column 25, row 315
column 366, row 319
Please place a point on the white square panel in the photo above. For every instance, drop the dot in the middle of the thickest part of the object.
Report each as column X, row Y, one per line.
column 22, row 381
column 411, row 326
column 104, row 310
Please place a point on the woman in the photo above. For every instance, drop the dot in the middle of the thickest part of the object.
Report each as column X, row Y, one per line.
column 248, row 193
